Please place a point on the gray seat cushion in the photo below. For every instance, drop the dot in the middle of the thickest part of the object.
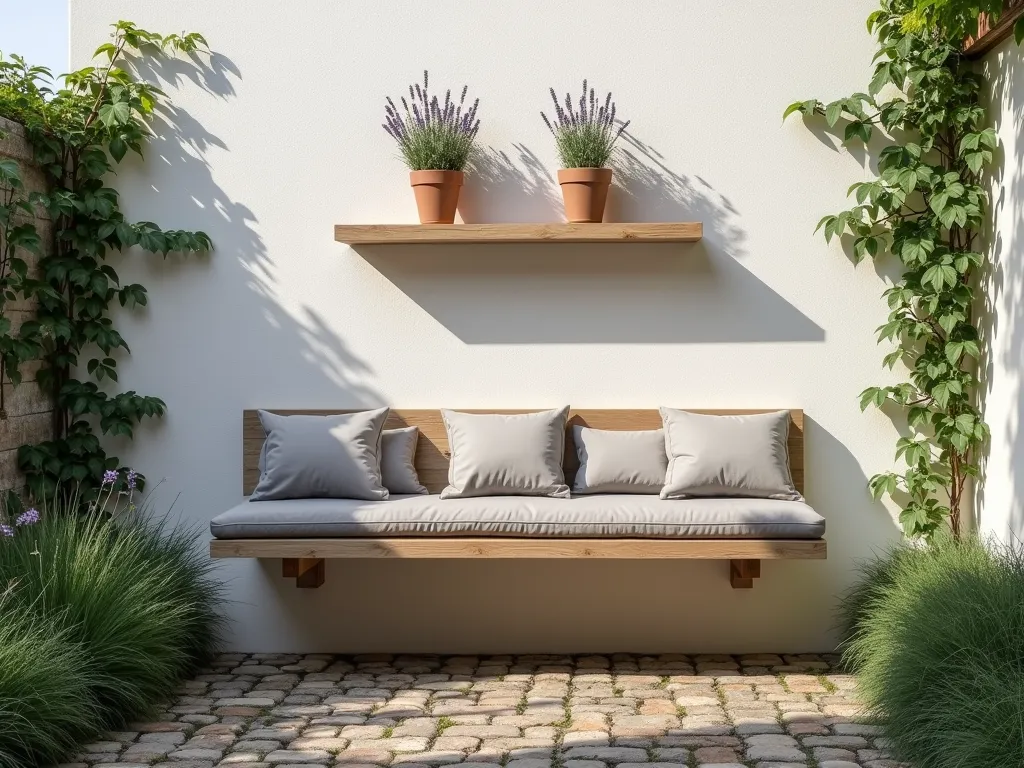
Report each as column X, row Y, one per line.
column 591, row 516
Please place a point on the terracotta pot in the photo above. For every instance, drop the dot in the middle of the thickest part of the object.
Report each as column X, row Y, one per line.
column 584, row 192
column 437, row 195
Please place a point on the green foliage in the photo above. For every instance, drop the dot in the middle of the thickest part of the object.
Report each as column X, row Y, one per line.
column 873, row 576
column 437, row 147
column 957, row 18
column 46, row 703
column 585, row 131
column 939, row 651
column 584, row 146
column 134, row 596
column 925, row 209
column 433, row 135
column 79, row 133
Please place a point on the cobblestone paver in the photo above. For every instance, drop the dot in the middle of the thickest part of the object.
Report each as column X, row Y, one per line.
column 669, row 711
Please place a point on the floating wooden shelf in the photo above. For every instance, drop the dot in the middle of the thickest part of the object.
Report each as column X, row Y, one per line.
column 382, row 234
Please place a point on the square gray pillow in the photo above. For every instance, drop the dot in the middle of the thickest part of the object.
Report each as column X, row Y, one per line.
column 712, row 455
column 397, row 456
column 614, row 461
column 335, row 457
column 506, row 455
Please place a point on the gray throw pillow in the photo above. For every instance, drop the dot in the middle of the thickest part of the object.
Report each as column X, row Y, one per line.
column 397, row 456
column 614, row 461
column 727, row 455
column 506, row 455
column 335, row 457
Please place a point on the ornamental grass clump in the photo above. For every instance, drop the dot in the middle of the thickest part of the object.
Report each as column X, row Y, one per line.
column 131, row 592
column 938, row 646
column 46, row 701
column 433, row 135
column 585, row 133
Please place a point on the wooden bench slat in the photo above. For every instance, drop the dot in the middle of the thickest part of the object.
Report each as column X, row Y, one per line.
column 516, row 548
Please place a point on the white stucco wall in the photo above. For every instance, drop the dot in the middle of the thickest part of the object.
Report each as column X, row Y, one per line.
column 280, row 139
column 1001, row 497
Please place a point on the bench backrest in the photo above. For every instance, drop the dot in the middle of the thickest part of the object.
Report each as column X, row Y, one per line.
column 432, row 452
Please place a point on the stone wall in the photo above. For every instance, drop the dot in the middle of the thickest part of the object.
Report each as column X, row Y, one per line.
column 28, row 413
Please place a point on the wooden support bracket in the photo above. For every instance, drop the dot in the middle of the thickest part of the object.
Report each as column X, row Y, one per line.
column 743, row 572
column 308, row 572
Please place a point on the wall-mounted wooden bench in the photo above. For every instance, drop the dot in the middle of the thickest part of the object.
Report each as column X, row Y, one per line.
column 304, row 559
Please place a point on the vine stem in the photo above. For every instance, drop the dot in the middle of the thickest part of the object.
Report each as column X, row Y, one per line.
column 118, row 48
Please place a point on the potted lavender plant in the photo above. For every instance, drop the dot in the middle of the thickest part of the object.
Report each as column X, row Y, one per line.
column 437, row 140
column 585, row 136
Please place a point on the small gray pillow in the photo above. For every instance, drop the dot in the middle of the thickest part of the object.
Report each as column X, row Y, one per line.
column 727, row 456
column 397, row 455
column 335, row 457
column 614, row 461
column 506, row 455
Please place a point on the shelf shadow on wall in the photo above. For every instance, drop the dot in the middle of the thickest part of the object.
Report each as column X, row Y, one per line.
column 642, row 293
column 590, row 294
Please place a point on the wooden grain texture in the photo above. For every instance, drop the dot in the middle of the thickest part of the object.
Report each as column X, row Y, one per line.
column 405, row 234
column 312, row 573
column 743, row 572
column 530, row 549
column 309, row 573
column 989, row 34
column 432, row 452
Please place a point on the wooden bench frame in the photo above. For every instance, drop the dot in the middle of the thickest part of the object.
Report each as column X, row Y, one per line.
column 304, row 559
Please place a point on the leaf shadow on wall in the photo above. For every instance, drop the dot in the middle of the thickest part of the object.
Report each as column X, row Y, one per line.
column 231, row 319
column 1001, row 287
column 642, row 293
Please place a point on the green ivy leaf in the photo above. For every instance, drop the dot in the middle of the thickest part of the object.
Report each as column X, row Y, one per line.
column 117, row 113
column 965, row 423
column 883, row 484
column 940, row 275
column 118, row 148
column 883, row 76
column 865, row 246
column 833, row 112
column 872, row 396
column 954, row 351
column 804, row 107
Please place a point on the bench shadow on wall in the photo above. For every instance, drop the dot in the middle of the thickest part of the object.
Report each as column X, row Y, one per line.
column 644, row 293
column 1001, row 315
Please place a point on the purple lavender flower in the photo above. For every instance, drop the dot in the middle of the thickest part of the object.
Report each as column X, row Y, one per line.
column 132, row 478
column 28, row 517
column 585, row 133
column 433, row 134
column 6, row 530
column 109, row 477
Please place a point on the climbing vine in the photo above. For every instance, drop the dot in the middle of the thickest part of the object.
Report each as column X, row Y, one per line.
column 79, row 134
column 925, row 208
column 959, row 18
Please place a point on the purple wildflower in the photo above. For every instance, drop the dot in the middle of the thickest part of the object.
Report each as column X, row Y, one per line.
column 110, row 477
column 28, row 517
column 132, row 478
column 6, row 530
